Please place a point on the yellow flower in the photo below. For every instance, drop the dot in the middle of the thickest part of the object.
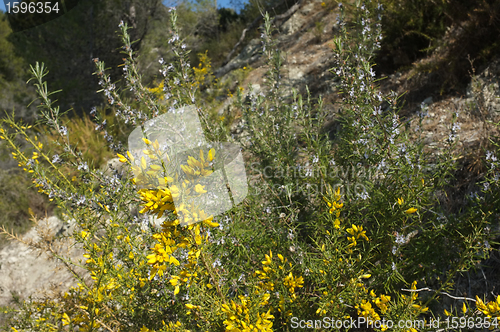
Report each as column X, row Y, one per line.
column 268, row 258
column 122, row 158
column 411, row 210
column 353, row 242
column 334, row 205
column 65, row 319
column 400, row 201
column 366, row 310
column 336, row 223
column 420, row 308
column 382, row 301
column 282, row 259
column 357, row 231
column 84, row 234
column 200, row 189
column 293, row 283
column 208, row 221
column 211, row 154
column 130, row 156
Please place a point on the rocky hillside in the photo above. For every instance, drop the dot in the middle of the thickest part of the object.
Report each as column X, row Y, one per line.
column 306, row 38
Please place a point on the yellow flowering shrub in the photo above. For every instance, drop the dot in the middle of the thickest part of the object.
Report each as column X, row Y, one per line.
column 304, row 249
column 203, row 73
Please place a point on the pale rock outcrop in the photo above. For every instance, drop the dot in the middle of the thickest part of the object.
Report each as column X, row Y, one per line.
column 25, row 271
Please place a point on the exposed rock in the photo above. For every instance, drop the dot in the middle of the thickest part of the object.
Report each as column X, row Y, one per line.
column 294, row 23
column 27, row 272
column 295, row 73
column 229, row 101
column 485, row 89
column 427, row 101
column 248, row 55
column 307, row 9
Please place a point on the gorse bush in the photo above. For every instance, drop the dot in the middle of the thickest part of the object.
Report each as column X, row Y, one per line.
column 342, row 232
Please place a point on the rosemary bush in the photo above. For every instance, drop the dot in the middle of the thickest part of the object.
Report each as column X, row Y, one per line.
column 343, row 231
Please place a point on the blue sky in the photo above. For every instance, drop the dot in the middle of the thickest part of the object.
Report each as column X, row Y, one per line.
column 220, row 3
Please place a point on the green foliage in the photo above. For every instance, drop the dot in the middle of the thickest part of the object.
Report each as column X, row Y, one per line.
column 413, row 27
column 84, row 33
column 9, row 62
column 342, row 228
column 255, row 8
column 451, row 30
column 13, row 92
column 318, row 30
column 83, row 134
column 87, row 32
column 219, row 31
